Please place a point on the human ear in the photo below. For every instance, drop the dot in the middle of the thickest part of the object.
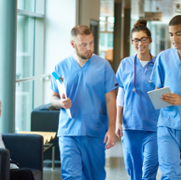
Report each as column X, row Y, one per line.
column 72, row 43
column 131, row 42
column 150, row 40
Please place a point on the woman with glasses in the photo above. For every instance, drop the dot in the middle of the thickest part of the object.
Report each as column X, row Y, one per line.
column 139, row 127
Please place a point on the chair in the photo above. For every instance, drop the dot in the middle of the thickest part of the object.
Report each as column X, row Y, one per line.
column 4, row 165
column 26, row 149
column 109, row 55
column 46, row 118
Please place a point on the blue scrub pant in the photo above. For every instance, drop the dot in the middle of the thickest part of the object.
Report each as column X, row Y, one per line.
column 140, row 154
column 169, row 151
column 82, row 158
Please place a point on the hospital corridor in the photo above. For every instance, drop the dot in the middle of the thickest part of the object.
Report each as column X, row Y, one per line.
column 76, row 73
column 115, row 169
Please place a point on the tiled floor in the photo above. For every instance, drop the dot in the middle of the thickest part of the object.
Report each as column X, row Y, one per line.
column 114, row 166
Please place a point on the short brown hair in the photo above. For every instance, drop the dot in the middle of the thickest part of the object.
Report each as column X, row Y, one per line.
column 175, row 20
column 80, row 30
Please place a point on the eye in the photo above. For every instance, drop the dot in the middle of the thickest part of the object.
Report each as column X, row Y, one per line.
column 135, row 40
column 178, row 34
column 84, row 45
column 144, row 39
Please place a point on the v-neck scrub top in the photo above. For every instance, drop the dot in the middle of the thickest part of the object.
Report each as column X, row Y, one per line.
column 167, row 73
column 138, row 111
column 86, row 87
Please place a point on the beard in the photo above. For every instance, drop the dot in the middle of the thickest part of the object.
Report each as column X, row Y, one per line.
column 84, row 56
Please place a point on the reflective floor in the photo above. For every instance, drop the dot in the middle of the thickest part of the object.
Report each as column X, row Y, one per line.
column 114, row 166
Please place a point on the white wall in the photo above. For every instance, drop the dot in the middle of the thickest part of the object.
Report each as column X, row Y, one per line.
column 60, row 18
column 90, row 9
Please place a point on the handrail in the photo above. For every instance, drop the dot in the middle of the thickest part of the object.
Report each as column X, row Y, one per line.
column 29, row 14
column 33, row 78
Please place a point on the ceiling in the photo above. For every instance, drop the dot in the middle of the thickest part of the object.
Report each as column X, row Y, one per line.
column 168, row 8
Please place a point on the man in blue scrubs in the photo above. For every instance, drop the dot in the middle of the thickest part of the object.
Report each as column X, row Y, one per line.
column 90, row 86
column 167, row 73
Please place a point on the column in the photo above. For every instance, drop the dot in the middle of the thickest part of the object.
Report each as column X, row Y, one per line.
column 117, row 35
column 8, row 18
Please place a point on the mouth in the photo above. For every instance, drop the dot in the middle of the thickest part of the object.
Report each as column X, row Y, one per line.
column 89, row 53
column 141, row 48
column 175, row 43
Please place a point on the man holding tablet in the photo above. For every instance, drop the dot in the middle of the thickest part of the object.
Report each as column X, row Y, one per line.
column 167, row 73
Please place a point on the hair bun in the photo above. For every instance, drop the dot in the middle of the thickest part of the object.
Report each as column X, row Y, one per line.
column 140, row 23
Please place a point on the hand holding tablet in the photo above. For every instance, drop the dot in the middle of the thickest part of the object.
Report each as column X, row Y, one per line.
column 155, row 97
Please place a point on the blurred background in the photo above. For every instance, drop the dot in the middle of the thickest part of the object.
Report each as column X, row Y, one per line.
column 35, row 36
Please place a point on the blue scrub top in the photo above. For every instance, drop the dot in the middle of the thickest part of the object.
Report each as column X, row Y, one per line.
column 167, row 73
column 86, row 87
column 138, row 111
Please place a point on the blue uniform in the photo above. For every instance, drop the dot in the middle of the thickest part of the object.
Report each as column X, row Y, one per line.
column 86, row 87
column 167, row 72
column 139, row 121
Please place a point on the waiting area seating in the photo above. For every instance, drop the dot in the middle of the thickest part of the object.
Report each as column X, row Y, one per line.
column 45, row 118
column 26, row 149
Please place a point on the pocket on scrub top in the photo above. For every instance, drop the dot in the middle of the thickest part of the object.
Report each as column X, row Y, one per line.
column 127, row 111
column 170, row 112
column 96, row 122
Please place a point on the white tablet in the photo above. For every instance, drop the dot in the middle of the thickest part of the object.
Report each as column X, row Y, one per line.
column 155, row 97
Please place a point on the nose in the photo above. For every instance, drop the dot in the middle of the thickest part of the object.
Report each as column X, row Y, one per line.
column 140, row 42
column 89, row 46
column 174, row 37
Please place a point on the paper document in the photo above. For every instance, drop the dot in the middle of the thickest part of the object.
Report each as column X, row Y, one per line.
column 155, row 97
column 61, row 89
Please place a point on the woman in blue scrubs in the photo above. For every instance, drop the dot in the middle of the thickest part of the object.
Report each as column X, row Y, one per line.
column 139, row 127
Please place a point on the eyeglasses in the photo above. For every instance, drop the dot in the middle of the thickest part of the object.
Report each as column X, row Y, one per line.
column 143, row 40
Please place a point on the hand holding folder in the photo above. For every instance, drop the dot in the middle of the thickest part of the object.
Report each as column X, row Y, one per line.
column 62, row 90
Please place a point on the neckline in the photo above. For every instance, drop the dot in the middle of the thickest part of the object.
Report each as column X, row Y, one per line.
column 138, row 62
column 177, row 56
column 84, row 66
column 143, row 63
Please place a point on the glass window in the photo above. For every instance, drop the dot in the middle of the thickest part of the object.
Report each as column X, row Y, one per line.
column 110, row 40
column 102, row 39
column 110, row 24
column 30, row 30
column 26, row 5
column 24, row 69
column 102, row 18
column 106, row 35
column 110, row 19
column 102, row 26
column 25, row 46
column 24, row 103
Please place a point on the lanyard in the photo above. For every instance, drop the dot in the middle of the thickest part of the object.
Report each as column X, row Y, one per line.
column 150, row 62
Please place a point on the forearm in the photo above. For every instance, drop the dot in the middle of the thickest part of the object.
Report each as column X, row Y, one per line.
column 112, row 117
column 56, row 102
column 111, row 110
column 119, row 115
